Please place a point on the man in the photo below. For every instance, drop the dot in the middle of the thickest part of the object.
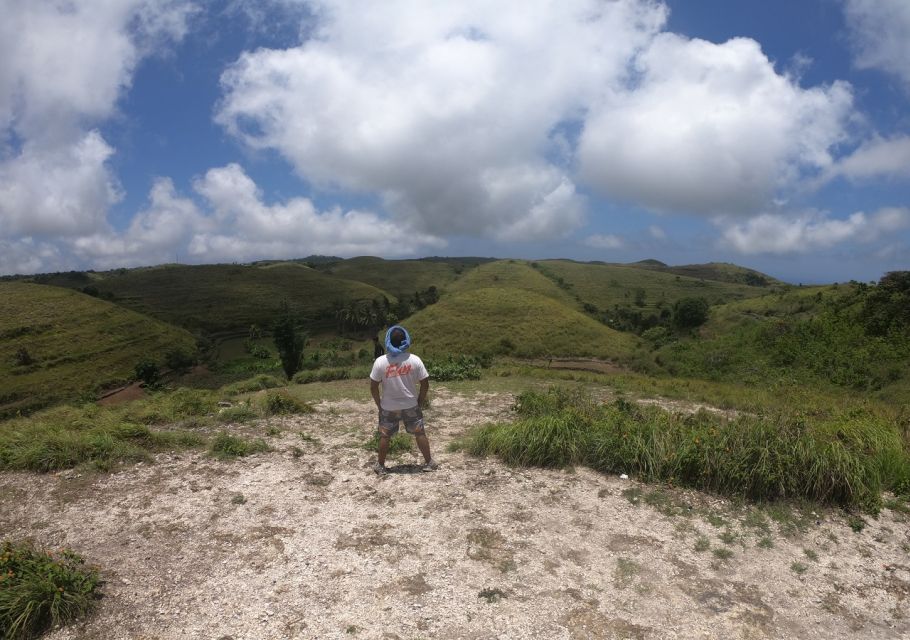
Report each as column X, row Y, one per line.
column 398, row 373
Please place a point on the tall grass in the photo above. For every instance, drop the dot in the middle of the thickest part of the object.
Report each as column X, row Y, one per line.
column 847, row 459
column 39, row 589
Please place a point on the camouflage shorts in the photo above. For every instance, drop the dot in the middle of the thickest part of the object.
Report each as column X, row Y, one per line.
column 413, row 421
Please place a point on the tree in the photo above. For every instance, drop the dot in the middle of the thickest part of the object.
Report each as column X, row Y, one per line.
column 147, row 371
column 689, row 313
column 288, row 342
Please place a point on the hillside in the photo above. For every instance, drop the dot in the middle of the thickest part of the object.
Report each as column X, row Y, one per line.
column 513, row 321
column 228, row 297
column 399, row 276
column 516, row 275
column 77, row 344
column 718, row 271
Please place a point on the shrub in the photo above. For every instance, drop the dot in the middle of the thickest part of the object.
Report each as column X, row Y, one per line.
column 256, row 383
column 689, row 313
column 147, row 371
column 226, row 446
column 282, row 403
column 322, row 375
column 288, row 342
column 23, row 357
column 179, row 360
column 454, row 368
column 39, row 590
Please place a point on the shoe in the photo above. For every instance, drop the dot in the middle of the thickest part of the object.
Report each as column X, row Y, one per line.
column 432, row 465
column 380, row 469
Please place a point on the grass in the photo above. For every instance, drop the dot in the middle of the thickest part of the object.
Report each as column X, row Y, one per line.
column 799, row 568
column 722, row 553
column 226, row 446
column 399, row 444
column 41, row 589
column 396, row 276
column 78, row 344
column 844, row 459
column 702, row 544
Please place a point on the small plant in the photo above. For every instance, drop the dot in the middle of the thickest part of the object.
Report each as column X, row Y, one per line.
column 727, row 537
column 226, row 446
column 765, row 542
column 722, row 553
column 147, row 371
column 491, row 595
column 273, row 432
column 799, row 568
column 809, row 553
column 296, row 452
column 282, row 403
column 39, row 589
column 23, row 357
column 399, row 444
column 856, row 523
column 238, row 498
column 702, row 544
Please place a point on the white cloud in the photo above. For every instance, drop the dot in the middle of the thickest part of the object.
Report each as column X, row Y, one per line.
column 710, row 128
column 657, row 233
column 770, row 233
column 63, row 67
column 607, row 241
column 880, row 31
column 448, row 110
column 26, row 255
column 878, row 157
column 236, row 225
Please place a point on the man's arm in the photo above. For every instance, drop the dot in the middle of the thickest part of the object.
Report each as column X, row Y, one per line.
column 374, row 391
column 422, row 394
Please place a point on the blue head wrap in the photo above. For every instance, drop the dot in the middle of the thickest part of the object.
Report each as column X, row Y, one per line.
column 405, row 345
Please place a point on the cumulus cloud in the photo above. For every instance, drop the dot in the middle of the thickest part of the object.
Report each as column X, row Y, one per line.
column 710, row 128
column 63, row 67
column 879, row 30
column 878, row 157
column 448, row 110
column 772, row 233
column 604, row 241
column 234, row 224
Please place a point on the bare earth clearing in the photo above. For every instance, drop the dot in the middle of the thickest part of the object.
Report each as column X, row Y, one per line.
column 280, row 545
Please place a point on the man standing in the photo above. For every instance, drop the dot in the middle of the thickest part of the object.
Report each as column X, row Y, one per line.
column 399, row 373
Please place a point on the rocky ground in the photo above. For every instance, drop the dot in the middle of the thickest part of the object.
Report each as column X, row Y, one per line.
column 306, row 542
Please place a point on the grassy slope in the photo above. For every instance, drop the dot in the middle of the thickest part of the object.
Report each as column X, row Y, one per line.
column 608, row 285
column 224, row 297
column 478, row 320
column 396, row 276
column 79, row 343
column 516, row 275
column 719, row 271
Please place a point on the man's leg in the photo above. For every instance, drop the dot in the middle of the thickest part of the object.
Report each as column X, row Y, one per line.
column 383, row 448
column 424, row 445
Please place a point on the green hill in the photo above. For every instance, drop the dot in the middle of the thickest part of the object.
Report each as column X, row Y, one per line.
column 718, row 271
column 77, row 344
column 229, row 297
column 648, row 289
column 396, row 276
column 512, row 321
column 516, row 275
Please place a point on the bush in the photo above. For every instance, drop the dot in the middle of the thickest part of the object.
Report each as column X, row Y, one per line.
column 322, row 375
column 454, row 368
column 226, row 446
column 282, row 403
column 179, row 360
column 40, row 590
column 689, row 313
column 256, row 383
column 23, row 357
column 147, row 371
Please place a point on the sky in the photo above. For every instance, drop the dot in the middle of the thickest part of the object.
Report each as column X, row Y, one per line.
column 768, row 133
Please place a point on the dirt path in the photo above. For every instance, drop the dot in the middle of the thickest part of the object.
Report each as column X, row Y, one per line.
column 305, row 542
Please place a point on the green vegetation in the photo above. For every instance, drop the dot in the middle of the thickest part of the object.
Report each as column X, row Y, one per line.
column 288, row 341
column 845, row 458
column 225, row 446
column 57, row 345
column 454, row 368
column 40, row 589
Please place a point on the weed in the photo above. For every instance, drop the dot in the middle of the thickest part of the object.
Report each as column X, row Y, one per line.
column 39, row 589
column 765, row 542
column 728, row 537
column 717, row 521
column 309, row 439
column 702, row 544
column 226, row 446
column 812, row 555
column 625, row 571
column 799, row 568
column 296, row 452
column 399, row 444
column 491, row 595
column 633, row 494
column 238, row 498
column 722, row 553
column 856, row 523
column 282, row 403
column 273, row 432
column 755, row 519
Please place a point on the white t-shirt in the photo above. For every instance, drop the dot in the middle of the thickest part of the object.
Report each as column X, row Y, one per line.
column 399, row 375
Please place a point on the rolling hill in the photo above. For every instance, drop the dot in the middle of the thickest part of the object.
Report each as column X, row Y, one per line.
column 76, row 344
column 400, row 277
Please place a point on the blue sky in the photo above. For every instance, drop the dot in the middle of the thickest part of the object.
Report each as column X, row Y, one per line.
column 772, row 134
